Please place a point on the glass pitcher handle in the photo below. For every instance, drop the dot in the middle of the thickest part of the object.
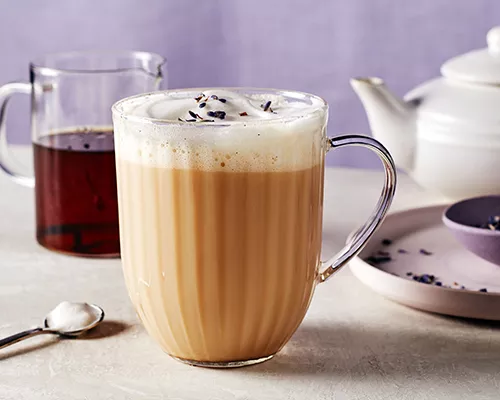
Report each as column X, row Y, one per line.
column 7, row 162
column 358, row 240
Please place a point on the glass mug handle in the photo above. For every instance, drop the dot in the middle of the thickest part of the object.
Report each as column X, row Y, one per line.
column 357, row 241
column 7, row 163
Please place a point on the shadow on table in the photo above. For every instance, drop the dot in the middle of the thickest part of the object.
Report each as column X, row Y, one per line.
column 103, row 330
column 106, row 328
column 26, row 347
column 357, row 352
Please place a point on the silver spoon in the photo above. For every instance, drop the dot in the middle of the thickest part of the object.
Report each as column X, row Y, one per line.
column 97, row 317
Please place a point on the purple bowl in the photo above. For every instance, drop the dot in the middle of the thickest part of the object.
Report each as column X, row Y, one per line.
column 463, row 219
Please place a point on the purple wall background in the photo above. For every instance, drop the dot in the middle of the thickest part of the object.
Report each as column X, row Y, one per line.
column 314, row 46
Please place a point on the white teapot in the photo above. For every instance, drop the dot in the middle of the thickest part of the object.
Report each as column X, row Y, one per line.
column 446, row 132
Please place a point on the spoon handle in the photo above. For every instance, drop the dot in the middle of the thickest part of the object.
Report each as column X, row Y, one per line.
column 17, row 337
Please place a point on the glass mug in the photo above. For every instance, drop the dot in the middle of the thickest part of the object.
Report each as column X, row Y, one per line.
column 221, row 217
column 72, row 136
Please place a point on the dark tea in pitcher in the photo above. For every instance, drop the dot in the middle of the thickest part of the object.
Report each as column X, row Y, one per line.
column 76, row 203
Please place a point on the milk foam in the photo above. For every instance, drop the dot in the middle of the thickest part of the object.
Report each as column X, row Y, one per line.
column 229, row 132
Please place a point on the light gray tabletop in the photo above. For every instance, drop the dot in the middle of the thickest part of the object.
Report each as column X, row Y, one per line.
column 353, row 344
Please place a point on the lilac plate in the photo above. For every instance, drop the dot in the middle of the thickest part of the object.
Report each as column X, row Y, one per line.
column 463, row 219
column 415, row 260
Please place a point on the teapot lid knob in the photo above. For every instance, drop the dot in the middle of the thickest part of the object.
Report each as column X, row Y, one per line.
column 493, row 39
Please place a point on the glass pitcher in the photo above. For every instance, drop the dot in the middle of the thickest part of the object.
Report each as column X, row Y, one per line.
column 72, row 135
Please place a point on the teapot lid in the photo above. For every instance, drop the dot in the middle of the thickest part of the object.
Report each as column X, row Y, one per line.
column 477, row 66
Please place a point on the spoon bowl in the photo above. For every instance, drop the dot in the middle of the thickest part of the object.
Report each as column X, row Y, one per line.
column 465, row 218
column 99, row 316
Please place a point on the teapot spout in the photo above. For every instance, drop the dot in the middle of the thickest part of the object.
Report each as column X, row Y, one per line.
column 392, row 120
